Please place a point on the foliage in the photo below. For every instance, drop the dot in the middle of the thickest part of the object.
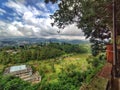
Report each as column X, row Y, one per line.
column 96, row 61
column 38, row 52
column 66, row 73
column 14, row 83
column 94, row 17
column 71, row 79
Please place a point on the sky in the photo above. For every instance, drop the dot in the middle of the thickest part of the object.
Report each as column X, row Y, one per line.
column 31, row 18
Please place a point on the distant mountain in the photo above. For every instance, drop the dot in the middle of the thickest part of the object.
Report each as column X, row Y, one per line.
column 19, row 41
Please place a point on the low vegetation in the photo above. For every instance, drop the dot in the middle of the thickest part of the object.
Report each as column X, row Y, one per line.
column 24, row 53
column 61, row 66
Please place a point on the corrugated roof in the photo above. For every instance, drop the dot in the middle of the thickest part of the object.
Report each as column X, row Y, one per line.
column 17, row 68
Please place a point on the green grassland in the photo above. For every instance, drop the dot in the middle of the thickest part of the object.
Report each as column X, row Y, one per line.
column 68, row 71
column 51, row 68
column 97, row 83
column 77, row 62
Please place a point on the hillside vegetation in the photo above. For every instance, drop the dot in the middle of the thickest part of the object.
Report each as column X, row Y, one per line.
column 61, row 66
column 24, row 53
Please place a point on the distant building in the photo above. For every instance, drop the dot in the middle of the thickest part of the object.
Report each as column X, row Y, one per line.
column 24, row 72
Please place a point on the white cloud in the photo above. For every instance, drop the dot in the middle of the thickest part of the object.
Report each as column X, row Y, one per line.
column 18, row 7
column 72, row 30
column 31, row 25
column 21, row 9
column 13, row 31
column 66, row 37
column 20, row 1
column 42, row 5
column 2, row 11
column 19, row 29
column 53, row 7
column 8, row 30
column 34, row 11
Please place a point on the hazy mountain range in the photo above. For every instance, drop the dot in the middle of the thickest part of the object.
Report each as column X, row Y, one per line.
column 19, row 41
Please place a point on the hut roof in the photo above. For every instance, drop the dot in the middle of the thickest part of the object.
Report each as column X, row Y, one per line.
column 17, row 68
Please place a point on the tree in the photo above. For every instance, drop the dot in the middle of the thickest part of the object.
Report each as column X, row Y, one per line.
column 94, row 17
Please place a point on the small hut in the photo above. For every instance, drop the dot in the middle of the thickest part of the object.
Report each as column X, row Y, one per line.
column 24, row 72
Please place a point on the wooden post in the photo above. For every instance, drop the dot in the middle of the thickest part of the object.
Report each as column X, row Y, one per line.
column 114, row 39
column 115, row 79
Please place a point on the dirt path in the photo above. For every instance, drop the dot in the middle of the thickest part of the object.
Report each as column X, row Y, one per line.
column 106, row 71
column 99, row 82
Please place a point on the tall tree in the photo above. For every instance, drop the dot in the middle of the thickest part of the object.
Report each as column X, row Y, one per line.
column 94, row 17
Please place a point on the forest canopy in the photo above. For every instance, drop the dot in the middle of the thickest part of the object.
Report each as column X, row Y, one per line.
column 94, row 17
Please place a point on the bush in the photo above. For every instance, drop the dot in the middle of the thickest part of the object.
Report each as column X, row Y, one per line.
column 14, row 83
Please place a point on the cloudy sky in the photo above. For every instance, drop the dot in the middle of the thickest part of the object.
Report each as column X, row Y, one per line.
column 30, row 18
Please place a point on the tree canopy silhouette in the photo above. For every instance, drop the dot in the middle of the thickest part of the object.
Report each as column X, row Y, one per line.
column 93, row 17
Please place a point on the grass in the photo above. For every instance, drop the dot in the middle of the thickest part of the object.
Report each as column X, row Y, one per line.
column 51, row 68
column 98, row 83
column 1, row 68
